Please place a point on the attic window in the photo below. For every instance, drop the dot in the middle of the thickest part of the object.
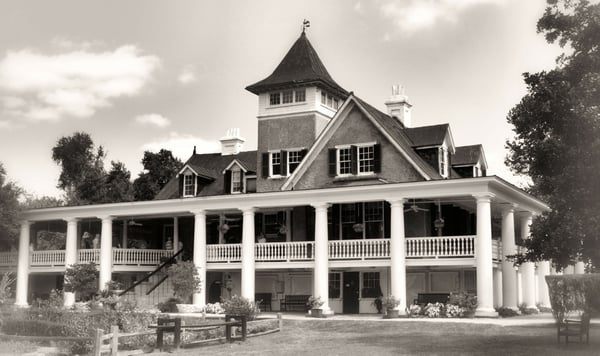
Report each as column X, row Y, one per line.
column 189, row 185
column 236, row 180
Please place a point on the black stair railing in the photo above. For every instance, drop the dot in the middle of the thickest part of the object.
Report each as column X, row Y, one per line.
column 170, row 261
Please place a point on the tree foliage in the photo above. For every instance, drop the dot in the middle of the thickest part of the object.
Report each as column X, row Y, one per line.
column 185, row 279
column 159, row 168
column 9, row 209
column 82, row 278
column 557, row 137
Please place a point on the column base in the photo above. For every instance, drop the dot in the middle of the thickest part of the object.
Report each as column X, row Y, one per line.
column 401, row 311
column 69, row 299
column 25, row 305
column 486, row 313
column 320, row 313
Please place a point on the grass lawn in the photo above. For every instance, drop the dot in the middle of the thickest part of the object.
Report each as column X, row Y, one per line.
column 371, row 338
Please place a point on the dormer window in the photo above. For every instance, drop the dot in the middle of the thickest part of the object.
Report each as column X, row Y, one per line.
column 189, row 185
column 443, row 161
column 236, row 180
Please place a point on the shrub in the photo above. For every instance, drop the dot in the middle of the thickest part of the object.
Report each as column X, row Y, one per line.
column 82, row 278
column 390, row 302
column 314, row 302
column 569, row 293
column 454, row 311
column 170, row 305
column 240, row 306
column 506, row 312
column 414, row 311
column 434, row 310
column 464, row 300
column 184, row 279
column 55, row 300
column 6, row 284
column 527, row 311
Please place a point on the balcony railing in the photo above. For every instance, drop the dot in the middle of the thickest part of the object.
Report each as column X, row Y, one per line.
column 9, row 259
column 133, row 256
column 88, row 255
column 285, row 251
column 359, row 249
column 224, row 253
column 435, row 247
column 49, row 258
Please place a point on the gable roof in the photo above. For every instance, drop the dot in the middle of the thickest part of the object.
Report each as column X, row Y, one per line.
column 433, row 135
column 301, row 66
column 469, row 155
column 211, row 165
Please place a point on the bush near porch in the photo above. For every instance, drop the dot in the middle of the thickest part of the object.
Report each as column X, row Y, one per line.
column 574, row 293
column 460, row 305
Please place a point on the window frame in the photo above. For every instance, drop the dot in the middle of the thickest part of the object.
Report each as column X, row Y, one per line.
column 237, row 170
column 191, row 184
column 443, row 161
column 287, row 97
column 271, row 165
column 339, row 161
column 371, row 283
column 295, row 151
column 372, row 159
column 356, row 159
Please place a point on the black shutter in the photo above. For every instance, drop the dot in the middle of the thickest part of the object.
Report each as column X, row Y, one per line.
column 227, row 182
column 284, row 160
column 265, row 165
column 242, row 175
column 181, row 185
column 303, row 154
column 377, row 158
column 387, row 229
column 354, row 159
column 332, row 162
column 198, row 187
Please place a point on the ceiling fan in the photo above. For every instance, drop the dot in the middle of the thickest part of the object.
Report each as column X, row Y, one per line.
column 415, row 208
column 134, row 223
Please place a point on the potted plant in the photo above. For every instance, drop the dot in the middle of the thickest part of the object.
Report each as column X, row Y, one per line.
column 378, row 304
column 390, row 303
column 314, row 305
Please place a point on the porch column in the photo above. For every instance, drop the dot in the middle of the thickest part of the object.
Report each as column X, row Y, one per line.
column 176, row 233
column 23, row 265
column 483, row 256
column 398, row 253
column 509, row 273
column 527, row 268
column 543, row 295
column 498, row 297
column 321, row 270
column 105, row 252
column 579, row 267
column 248, row 263
column 199, row 254
column 70, row 256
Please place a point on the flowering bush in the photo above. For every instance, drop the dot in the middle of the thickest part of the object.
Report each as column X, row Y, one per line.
column 314, row 302
column 390, row 302
column 466, row 301
column 454, row 311
column 240, row 306
column 215, row 308
column 434, row 310
column 414, row 311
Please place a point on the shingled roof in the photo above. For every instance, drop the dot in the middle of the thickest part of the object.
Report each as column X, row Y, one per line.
column 301, row 66
column 422, row 136
column 467, row 155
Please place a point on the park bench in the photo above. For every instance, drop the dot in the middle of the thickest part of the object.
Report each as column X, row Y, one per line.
column 294, row 303
column 574, row 328
column 425, row 298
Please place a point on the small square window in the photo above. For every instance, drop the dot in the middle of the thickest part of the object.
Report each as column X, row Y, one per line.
column 300, row 95
column 288, row 97
column 275, row 163
column 275, row 99
column 345, row 160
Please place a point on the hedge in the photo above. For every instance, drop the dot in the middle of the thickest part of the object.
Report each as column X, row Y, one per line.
column 575, row 292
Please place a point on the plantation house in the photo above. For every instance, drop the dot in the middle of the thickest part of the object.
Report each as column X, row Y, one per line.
column 340, row 201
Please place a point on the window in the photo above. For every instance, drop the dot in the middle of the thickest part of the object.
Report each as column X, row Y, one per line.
column 366, row 159
column 236, row 180
column 189, row 186
column 374, row 228
column 274, row 99
column 275, row 163
column 288, row 97
column 336, row 104
column 351, row 221
column 345, row 161
column 323, row 98
column 334, row 284
column 329, row 100
column 443, row 161
column 371, row 287
column 294, row 159
column 300, row 95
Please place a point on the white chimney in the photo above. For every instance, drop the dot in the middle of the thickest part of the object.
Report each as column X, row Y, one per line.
column 232, row 143
column 398, row 105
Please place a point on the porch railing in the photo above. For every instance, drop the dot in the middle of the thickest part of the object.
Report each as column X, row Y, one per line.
column 8, row 259
column 48, row 258
column 88, row 255
column 134, row 256
column 284, row 251
column 224, row 253
column 435, row 247
column 359, row 249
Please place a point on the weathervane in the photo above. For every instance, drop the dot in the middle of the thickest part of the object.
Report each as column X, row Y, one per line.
column 305, row 25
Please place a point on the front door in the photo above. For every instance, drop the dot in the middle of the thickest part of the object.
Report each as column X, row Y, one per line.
column 351, row 292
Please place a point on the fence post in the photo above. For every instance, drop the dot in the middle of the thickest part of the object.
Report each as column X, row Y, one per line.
column 114, row 342
column 159, row 333
column 177, row 333
column 227, row 328
column 244, row 327
column 98, row 342
column 280, row 321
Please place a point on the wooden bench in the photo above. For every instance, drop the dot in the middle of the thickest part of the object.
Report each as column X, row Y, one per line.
column 263, row 300
column 425, row 298
column 574, row 328
column 294, row 303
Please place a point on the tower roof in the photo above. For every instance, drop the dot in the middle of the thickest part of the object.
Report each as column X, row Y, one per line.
column 301, row 66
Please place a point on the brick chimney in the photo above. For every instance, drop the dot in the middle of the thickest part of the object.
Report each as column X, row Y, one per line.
column 232, row 143
column 398, row 105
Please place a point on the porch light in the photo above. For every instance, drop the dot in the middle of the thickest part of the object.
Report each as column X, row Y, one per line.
column 224, row 228
column 438, row 223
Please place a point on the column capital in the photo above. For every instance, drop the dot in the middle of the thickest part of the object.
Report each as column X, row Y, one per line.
column 248, row 210
column 484, row 197
column 508, row 208
column 106, row 217
column 71, row 219
column 320, row 205
column 196, row 212
column 25, row 223
column 396, row 202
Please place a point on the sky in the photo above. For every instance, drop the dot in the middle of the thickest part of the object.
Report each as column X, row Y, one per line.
column 146, row 75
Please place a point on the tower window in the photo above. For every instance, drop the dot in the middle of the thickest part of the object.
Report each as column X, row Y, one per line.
column 275, row 99
column 288, row 97
column 300, row 95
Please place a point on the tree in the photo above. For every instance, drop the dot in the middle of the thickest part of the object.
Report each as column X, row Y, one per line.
column 557, row 137
column 34, row 202
column 9, row 209
column 184, row 279
column 82, row 278
column 118, row 184
column 159, row 168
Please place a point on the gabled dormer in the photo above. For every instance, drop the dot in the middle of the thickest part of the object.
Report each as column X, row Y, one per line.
column 191, row 180
column 435, row 145
column 469, row 161
column 238, row 179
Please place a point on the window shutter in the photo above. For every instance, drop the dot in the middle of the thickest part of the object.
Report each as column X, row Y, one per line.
column 377, row 158
column 227, row 182
column 242, row 176
column 387, row 215
column 303, row 154
column 265, row 165
column 354, row 159
column 284, row 159
column 332, row 162
column 181, row 185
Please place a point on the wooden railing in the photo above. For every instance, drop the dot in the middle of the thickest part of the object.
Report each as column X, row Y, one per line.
column 133, row 256
column 8, row 259
column 359, row 249
column 88, row 255
column 284, row 251
column 224, row 253
column 435, row 247
column 47, row 258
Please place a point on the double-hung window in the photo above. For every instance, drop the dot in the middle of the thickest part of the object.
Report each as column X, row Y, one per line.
column 345, row 161
column 443, row 161
column 371, row 286
column 189, row 185
column 366, row 159
column 236, row 180
column 275, row 163
column 294, row 159
column 360, row 159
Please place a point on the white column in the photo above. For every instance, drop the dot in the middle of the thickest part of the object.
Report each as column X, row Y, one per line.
column 105, row 252
column 543, row 295
column 176, row 235
column 483, row 256
column 124, row 241
column 509, row 273
column 498, row 297
column 569, row 269
column 519, row 287
column 248, row 263
column 398, row 253
column 70, row 256
column 527, row 268
column 321, row 271
column 199, row 254
column 23, row 265
column 579, row 267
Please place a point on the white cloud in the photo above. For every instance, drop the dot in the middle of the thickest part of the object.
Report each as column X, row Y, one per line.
column 187, row 75
column 4, row 124
column 153, row 119
column 410, row 16
column 75, row 83
column 182, row 146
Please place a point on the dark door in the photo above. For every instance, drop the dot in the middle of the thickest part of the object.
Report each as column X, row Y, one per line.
column 350, row 296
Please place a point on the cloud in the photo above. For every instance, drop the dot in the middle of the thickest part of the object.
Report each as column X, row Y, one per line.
column 182, row 145
column 187, row 75
column 410, row 16
column 153, row 119
column 72, row 84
